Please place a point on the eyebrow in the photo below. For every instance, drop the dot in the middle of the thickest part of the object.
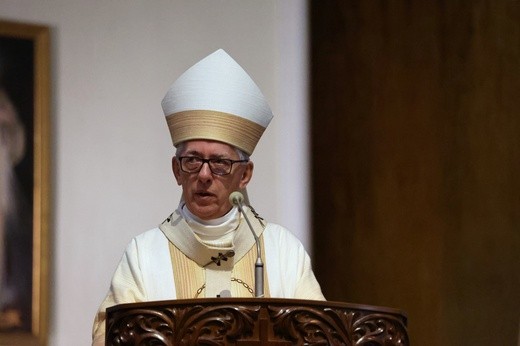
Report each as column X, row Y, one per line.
column 214, row 156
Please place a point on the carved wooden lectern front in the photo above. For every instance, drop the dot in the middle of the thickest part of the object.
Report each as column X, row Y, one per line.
column 254, row 321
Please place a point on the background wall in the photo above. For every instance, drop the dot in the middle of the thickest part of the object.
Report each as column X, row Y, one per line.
column 112, row 63
column 416, row 153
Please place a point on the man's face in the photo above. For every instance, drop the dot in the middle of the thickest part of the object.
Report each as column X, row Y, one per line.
column 207, row 195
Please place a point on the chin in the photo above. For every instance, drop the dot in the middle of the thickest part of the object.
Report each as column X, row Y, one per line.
column 204, row 212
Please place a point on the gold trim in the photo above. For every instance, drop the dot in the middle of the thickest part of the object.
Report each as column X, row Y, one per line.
column 191, row 273
column 41, row 181
column 206, row 124
column 188, row 275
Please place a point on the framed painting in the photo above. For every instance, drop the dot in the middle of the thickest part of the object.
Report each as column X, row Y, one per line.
column 24, row 183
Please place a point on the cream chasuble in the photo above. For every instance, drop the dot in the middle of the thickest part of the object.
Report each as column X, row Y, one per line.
column 159, row 265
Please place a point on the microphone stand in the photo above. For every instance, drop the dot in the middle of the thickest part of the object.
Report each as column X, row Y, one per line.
column 237, row 198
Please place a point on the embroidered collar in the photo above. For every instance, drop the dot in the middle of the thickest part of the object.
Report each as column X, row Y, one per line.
column 177, row 230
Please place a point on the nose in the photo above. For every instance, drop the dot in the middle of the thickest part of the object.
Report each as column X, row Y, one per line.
column 205, row 172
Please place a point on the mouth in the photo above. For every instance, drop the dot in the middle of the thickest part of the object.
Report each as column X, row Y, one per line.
column 204, row 194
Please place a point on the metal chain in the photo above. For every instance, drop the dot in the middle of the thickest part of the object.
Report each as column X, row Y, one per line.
column 244, row 284
column 199, row 291
column 257, row 216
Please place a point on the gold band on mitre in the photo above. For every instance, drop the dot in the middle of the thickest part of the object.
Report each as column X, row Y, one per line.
column 241, row 133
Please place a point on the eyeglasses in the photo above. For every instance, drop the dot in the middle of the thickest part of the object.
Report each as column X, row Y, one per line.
column 193, row 164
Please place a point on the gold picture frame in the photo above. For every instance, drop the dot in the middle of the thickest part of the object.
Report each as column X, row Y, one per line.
column 25, row 96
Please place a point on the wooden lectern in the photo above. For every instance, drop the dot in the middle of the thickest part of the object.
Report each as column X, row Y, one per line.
column 254, row 321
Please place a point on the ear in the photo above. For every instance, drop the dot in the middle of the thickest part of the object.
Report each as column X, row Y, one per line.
column 176, row 170
column 247, row 175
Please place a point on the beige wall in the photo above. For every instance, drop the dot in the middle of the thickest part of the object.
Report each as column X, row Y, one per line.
column 112, row 63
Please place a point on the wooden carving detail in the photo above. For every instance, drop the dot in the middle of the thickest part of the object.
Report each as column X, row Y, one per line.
column 311, row 325
column 328, row 326
column 142, row 326
column 254, row 322
column 379, row 329
column 194, row 325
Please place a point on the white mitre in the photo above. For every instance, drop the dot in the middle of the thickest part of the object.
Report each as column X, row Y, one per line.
column 216, row 99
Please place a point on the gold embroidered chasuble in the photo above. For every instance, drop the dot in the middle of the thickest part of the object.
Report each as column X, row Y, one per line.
column 200, row 270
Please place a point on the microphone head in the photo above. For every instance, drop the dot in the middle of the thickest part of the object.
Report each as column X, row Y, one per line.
column 236, row 198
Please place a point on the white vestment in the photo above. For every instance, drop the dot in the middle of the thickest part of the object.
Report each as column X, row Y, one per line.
column 145, row 272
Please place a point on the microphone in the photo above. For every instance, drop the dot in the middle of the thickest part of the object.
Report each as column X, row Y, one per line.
column 236, row 198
